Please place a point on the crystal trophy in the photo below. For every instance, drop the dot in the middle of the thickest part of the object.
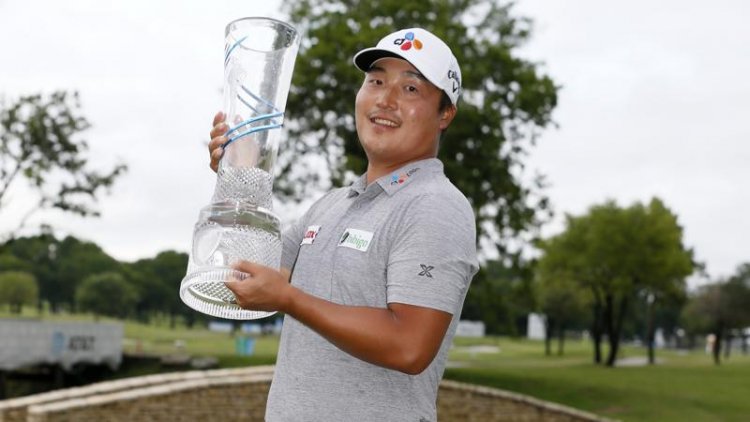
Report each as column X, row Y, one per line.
column 239, row 224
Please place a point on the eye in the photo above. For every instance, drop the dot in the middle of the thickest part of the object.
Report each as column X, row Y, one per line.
column 374, row 81
column 411, row 89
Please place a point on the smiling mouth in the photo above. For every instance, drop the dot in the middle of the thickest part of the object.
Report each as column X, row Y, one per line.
column 384, row 122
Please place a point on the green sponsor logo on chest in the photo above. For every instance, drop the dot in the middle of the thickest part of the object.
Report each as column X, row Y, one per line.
column 356, row 239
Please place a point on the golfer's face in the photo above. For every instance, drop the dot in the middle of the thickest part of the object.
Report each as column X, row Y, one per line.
column 397, row 113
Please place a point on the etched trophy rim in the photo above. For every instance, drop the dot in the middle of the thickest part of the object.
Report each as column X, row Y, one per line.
column 292, row 38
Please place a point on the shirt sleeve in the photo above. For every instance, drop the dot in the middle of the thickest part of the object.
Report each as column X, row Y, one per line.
column 433, row 257
column 291, row 238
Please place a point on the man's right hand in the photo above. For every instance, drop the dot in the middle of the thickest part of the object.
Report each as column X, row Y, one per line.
column 216, row 145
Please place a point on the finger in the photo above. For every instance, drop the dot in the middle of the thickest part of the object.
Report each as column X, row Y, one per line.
column 215, row 158
column 233, row 286
column 217, row 153
column 218, row 130
column 218, row 118
column 248, row 267
column 217, row 142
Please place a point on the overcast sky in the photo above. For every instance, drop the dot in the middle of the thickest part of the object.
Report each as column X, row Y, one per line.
column 654, row 102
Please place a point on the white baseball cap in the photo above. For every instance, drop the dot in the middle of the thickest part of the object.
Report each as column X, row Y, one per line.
column 426, row 52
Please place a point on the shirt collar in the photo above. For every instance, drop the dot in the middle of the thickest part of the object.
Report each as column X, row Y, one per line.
column 402, row 177
column 358, row 187
column 398, row 179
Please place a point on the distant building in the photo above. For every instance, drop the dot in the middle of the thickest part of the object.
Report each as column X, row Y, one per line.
column 470, row 329
column 535, row 327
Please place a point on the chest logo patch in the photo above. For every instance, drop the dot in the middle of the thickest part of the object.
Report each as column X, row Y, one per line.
column 310, row 234
column 356, row 239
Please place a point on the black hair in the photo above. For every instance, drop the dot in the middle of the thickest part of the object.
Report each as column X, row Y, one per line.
column 445, row 102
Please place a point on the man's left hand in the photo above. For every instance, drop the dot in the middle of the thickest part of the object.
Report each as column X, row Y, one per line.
column 264, row 290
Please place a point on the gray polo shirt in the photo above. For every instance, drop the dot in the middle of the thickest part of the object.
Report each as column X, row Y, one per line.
column 407, row 238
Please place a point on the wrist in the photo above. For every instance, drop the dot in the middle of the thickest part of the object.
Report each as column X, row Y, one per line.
column 288, row 299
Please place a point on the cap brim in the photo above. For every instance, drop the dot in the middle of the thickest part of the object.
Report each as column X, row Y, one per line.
column 365, row 58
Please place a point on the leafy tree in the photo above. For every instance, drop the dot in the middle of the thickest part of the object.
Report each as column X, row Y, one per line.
column 506, row 102
column 564, row 306
column 617, row 253
column 39, row 143
column 650, row 314
column 38, row 253
column 17, row 289
column 158, row 280
column 75, row 260
column 500, row 296
column 60, row 265
column 9, row 262
column 106, row 294
column 720, row 308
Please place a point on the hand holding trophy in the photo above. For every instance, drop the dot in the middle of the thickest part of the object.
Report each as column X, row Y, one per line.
column 239, row 224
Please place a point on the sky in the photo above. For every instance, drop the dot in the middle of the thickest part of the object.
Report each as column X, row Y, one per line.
column 653, row 102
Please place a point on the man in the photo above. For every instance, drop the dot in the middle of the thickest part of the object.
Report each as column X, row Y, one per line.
column 379, row 270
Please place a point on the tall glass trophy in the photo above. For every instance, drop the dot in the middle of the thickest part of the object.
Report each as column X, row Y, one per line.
column 239, row 224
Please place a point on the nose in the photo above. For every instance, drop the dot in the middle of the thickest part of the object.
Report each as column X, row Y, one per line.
column 387, row 97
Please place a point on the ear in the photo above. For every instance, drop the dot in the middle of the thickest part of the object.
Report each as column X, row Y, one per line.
column 446, row 116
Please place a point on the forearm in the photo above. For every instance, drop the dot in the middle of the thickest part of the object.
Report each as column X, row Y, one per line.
column 380, row 336
column 401, row 337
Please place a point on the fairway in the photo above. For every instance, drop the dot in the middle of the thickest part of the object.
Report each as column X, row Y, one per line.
column 681, row 387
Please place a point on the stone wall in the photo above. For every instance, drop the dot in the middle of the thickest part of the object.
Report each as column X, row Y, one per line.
column 15, row 410
column 472, row 403
column 240, row 395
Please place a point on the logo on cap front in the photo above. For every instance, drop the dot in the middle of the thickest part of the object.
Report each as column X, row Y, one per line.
column 408, row 41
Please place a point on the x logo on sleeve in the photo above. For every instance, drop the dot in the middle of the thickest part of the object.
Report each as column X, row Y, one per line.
column 426, row 270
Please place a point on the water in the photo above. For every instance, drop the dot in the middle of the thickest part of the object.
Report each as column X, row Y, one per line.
column 249, row 184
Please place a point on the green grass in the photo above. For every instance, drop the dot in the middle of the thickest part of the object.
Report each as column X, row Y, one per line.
column 681, row 387
column 157, row 338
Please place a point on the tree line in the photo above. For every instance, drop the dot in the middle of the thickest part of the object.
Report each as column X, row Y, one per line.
column 74, row 275
column 614, row 272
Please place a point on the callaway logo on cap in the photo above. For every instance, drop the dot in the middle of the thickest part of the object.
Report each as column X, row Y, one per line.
column 426, row 52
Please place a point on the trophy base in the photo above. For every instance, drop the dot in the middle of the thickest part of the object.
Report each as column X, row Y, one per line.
column 205, row 292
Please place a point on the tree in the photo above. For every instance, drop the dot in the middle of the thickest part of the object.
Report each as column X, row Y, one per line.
column 38, row 253
column 616, row 253
column 76, row 259
column 9, row 262
column 106, row 294
column 500, row 296
column 60, row 265
column 506, row 101
column 17, row 289
column 158, row 280
column 39, row 143
column 563, row 304
column 719, row 309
